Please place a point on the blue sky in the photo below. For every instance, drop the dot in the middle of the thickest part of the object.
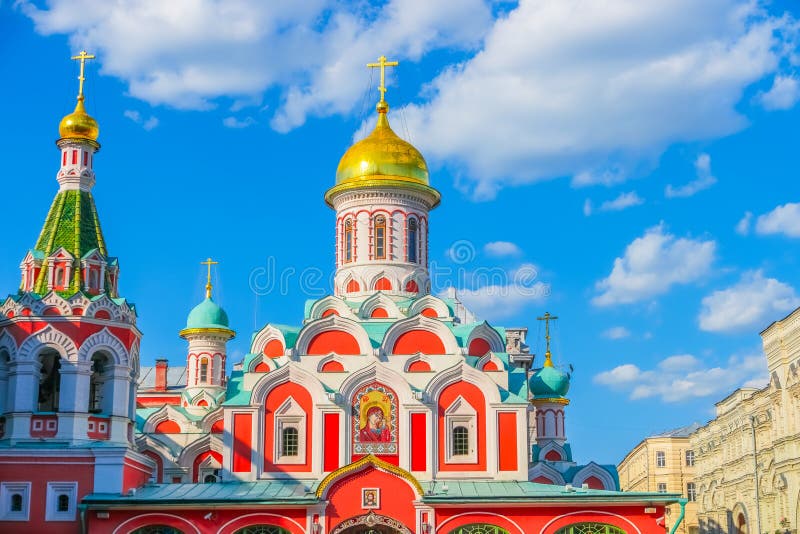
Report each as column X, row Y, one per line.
column 628, row 166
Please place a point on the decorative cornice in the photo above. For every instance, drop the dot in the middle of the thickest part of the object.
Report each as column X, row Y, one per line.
column 221, row 331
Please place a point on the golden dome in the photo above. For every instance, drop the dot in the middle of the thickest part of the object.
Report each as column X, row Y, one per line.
column 382, row 155
column 79, row 124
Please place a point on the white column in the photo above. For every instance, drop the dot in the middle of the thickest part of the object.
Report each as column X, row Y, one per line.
column 23, row 385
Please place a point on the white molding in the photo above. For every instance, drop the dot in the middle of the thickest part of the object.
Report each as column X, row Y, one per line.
column 461, row 372
column 545, row 470
column 379, row 300
column 48, row 337
column 486, row 332
column 461, row 413
column 54, row 491
column 429, row 301
column 593, row 469
column 420, row 322
column 329, row 323
column 289, row 415
column 6, row 490
column 104, row 339
column 264, row 336
column 545, row 528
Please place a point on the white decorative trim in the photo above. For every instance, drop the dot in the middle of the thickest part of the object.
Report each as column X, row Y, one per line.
column 589, row 513
column 330, row 303
column 377, row 372
column 54, row 492
column 209, row 442
column 289, row 415
column 153, row 518
column 258, row 514
column 7, row 342
column 379, row 300
column 166, row 412
column 420, row 322
column 105, row 303
column 474, row 513
column 461, row 372
column 291, row 372
column 7, row 489
column 593, row 469
column 486, row 332
column 212, row 417
column 101, row 340
column 330, row 358
column 264, row 336
column 48, row 337
column 461, row 414
column 52, row 300
column 548, row 471
column 552, row 446
column 419, row 357
column 255, row 362
column 490, row 357
column 332, row 322
column 429, row 301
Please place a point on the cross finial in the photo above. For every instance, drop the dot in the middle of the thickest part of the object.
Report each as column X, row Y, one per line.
column 209, row 262
column 548, row 358
column 82, row 57
column 382, row 64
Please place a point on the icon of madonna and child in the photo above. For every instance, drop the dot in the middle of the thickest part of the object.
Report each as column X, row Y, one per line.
column 374, row 418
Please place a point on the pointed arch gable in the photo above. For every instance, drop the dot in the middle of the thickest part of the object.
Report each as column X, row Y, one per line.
column 490, row 362
column 209, row 442
column 103, row 303
column 546, row 471
column 383, row 281
column 552, row 446
column 333, row 323
column 594, row 470
column 379, row 300
column 429, row 301
column 323, row 305
column 264, row 336
column 418, row 364
column 8, row 343
column 424, row 324
column 163, row 414
column 360, row 465
column 329, row 363
column 483, row 331
column 211, row 418
column 293, row 373
column 463, row 372
column 53, row 299
column 48, row 337
column 377, row 372
column 104, row 339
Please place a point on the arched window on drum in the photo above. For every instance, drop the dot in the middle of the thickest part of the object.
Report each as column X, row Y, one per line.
column 412, row 241
column 379, row 237
column 347, row 253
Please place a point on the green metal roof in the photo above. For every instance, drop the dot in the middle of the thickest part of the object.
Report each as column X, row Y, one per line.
column 460, row 491
column 207, row 314
column 261, row 492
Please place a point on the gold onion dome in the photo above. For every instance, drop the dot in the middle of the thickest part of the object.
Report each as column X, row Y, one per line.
column 79, row 124
column 382, row 159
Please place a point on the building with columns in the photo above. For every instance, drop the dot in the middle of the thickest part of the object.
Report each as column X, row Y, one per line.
column 386, row 409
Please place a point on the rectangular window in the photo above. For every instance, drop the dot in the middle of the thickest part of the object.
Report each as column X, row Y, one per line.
column 64, row 159
column 662, row 487
column 15, row 501
column 61, row 497
column 74, row 157
column 85, row 159
column 689, row 458
column 691, row 492
column 661, row 459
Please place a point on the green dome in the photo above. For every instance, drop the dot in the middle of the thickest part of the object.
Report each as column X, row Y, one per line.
column 549, row 382
column 207, row 314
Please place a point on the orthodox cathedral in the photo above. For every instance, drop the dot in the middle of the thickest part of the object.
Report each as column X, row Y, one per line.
column 384, row 410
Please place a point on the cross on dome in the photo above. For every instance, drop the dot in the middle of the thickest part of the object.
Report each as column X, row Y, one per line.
column 548, row 358
column 82, row 57
column 382, row 64
column 209, row 262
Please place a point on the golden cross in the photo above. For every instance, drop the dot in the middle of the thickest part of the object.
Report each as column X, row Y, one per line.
column 82, row 57
column 548, row 362
column 209, row 262
column 382, row 64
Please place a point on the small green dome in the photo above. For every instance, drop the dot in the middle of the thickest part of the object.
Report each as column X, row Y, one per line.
column 549, row 382
column 207, row 314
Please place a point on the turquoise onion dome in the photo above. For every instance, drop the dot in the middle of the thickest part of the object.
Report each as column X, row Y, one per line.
column 549, row 382
column 207, row 314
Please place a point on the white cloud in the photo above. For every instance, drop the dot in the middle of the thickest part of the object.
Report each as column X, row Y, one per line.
column 187, row 53
column 753, row 302
column 784, row 220
column 743, row 226
column 623, row 201
column 652, row 264
column 703, row 181
column 685, row 377
column 784, row 93
column 233, row 122
column 502, row 248
column 617, row 332
column 494, row 302
column 596, row 90
column 135, row 116
column 587, row 207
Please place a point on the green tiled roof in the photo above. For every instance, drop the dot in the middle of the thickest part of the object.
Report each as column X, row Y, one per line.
column 262, row 492
column 465, row 491
column 71, row 223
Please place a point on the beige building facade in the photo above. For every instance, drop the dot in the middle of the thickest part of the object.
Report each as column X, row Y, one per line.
column 747, row 459
column 665, row 463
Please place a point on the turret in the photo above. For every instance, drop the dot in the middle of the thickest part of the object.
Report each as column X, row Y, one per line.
column 207, row 331
column 382, row 198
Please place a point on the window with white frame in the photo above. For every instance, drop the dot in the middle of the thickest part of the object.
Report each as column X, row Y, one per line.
column 689, row 458
column 289, row 437
column 15, row 499
column 61, row 497
column 662, row 487
column 661, row 459
column 691, row 492
column 460, row 423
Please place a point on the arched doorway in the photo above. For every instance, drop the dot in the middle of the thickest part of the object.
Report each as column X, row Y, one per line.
column 479, row 528
column 741, row 523
column 371, row 523
column 590, row 528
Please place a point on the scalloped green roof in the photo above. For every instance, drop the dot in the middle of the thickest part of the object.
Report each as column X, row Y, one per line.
column 549, row 382
column 207, row 314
